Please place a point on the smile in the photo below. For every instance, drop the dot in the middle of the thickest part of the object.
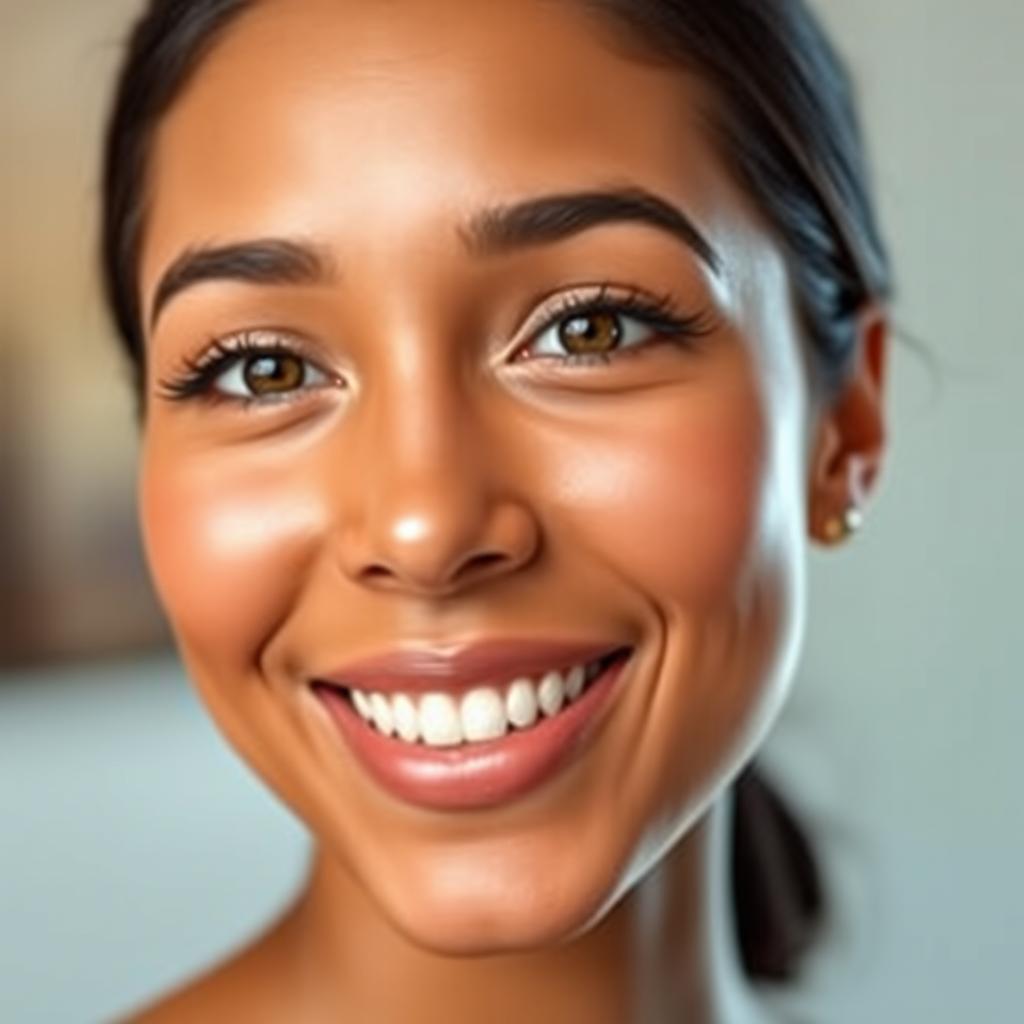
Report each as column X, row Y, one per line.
column 438, row 719
column 487, row 745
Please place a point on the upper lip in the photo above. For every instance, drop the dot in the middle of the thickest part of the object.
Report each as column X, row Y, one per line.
column 420, row 669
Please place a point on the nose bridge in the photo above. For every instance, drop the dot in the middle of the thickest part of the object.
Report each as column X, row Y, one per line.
column 417, row 408
column 425, row 509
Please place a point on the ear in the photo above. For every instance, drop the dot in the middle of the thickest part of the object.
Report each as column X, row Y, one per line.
column 850, row 433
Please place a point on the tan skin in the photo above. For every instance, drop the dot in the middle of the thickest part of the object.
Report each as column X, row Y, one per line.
column 664, row 499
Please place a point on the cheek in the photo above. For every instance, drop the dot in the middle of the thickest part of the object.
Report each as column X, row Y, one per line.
column 226, row 547
column 672, row 499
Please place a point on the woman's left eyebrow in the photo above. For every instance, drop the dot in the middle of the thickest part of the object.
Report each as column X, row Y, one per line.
column 551, row 218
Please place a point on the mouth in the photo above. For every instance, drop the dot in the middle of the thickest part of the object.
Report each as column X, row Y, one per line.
column 478, row 748
column 441, row 719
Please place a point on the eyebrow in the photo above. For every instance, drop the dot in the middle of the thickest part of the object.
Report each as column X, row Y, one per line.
column 493, row 231
column 261, row 261
column 555, row 217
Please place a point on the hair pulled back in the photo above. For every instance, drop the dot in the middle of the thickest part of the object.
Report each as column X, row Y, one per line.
column 786, row 125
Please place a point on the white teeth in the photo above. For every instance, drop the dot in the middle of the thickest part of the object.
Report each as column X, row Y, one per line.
column 551, row 693
column 362, row 703
column 407, row 719
column 574, row 681
column 483, row 713
column 521, row 703
column 439, row 720
column 380, row 707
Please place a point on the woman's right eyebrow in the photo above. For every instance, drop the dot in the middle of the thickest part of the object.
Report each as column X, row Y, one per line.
column 260, row 261
column 495, row 230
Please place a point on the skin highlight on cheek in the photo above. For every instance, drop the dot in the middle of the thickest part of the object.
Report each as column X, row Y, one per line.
column 228, row 554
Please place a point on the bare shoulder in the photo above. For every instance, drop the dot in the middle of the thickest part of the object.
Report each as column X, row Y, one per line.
column 206, row 999
column 222, row 993
column 245, row 986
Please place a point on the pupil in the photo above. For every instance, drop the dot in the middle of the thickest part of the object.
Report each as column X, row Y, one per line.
column 273, row 373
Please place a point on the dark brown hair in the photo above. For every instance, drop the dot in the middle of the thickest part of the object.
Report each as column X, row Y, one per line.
column 786, row 124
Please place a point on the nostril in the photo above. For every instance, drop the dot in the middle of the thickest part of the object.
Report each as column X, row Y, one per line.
column 472, row 568
column 481, row 565
column 486, row 558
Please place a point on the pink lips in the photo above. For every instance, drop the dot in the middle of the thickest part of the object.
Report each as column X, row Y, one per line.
column 472, row 775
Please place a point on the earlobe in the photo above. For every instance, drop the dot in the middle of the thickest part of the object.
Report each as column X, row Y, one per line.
column 851, row 437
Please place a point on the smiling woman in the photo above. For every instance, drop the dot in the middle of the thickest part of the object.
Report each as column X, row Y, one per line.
column 495, row 364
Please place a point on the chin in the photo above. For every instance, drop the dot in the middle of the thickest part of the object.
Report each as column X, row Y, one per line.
column 455, row 917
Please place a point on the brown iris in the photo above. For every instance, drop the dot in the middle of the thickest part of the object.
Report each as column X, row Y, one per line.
column 589, row 332
column 272, row 374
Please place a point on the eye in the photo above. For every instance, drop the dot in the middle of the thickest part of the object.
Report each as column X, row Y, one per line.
column 251, row 367
column 584, row 336
column 599, row 327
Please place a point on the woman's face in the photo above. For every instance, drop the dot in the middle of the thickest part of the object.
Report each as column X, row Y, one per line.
column 423, row 467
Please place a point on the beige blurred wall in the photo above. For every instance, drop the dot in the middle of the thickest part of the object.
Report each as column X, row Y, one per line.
column 73, row 582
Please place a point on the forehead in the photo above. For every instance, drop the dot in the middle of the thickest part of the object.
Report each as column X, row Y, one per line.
column 335, row 116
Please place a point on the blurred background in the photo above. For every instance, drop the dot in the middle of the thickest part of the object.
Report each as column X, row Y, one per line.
column 136, row 848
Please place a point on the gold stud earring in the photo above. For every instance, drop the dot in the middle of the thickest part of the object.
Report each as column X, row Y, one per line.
column 838, row 528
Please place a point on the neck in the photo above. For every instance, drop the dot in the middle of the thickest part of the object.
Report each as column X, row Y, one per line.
column 665, row 953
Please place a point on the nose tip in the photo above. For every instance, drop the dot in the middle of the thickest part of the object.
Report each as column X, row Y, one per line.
column 434, row 554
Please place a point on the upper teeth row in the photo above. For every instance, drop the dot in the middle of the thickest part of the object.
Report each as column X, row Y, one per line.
column 483, row 713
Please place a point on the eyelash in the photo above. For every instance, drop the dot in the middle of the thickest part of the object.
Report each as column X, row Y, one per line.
column 197, row 377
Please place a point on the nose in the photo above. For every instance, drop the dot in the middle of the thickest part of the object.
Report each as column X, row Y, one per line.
column 427, row 511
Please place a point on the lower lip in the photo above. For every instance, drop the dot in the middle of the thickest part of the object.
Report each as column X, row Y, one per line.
column 474, row 775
